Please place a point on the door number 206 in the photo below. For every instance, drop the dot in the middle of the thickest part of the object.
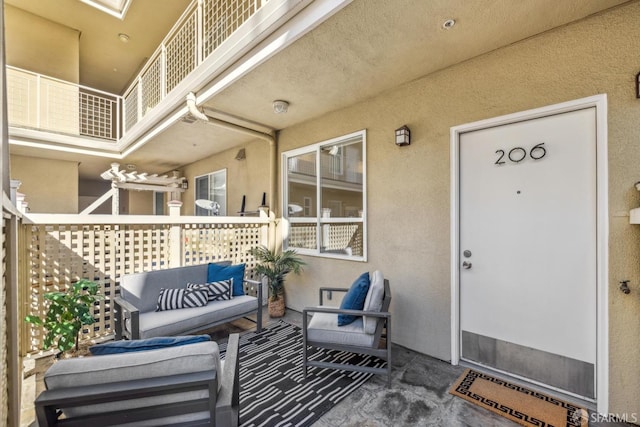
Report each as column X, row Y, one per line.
column 518, row 154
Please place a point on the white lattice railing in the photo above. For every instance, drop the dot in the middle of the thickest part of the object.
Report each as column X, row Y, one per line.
column 203, row 27
column 44, row 103
column 62, row 249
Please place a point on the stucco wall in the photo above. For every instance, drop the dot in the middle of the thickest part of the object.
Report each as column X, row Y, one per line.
column 249, row 177
column 409, row 188
column 50, row 186
column 42, row 46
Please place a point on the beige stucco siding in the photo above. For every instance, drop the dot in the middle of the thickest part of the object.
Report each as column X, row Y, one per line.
column 249, row 177
column 41, row 46
column 409, row 188
column 50, row 186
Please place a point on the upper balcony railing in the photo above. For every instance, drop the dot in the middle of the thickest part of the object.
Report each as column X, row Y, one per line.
column 201, row 29
column 44, row 103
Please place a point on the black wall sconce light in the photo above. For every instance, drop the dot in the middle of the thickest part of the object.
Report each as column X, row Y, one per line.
column 403, row 136
column 638, row 85
column 242, row 154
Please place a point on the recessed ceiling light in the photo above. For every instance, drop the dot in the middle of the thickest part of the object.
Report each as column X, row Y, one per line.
column 448, row 24
column 124, row 38
column 280, row 107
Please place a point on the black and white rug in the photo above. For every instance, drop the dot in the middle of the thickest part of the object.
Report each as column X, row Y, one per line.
column 272, row 389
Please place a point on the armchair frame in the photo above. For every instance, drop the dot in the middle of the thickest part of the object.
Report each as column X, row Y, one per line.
column 374, row 350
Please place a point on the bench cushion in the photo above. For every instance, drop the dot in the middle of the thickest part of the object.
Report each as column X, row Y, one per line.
column 174, row 322
column 323, row 327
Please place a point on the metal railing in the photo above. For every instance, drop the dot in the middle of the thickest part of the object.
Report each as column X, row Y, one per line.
column 203, row 27
column 44, row 103
column 40, row 102
column 58, row 250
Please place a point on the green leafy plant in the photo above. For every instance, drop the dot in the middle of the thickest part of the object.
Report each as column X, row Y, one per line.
column 275, row 266
column 67, row 313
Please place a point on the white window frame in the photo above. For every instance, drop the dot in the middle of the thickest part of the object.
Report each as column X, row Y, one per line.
column 223, row 210
column 319, row 220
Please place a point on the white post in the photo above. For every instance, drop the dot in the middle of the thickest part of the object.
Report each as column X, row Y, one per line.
column 15, row 184
column 175, row 235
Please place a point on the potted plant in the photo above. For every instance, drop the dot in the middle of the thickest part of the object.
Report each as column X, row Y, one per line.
column 275, row 266
column 68, row 311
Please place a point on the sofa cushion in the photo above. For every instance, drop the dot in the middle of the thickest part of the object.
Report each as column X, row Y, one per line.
column 373, row 301
column 216, row 290
column 172, row 299
column 125, row 346
column 354, row 299
column 217, row 272
column 323, row 328
column 180, row 322
column 198, row 357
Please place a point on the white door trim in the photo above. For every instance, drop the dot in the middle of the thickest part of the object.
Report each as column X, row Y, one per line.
column 600, row 104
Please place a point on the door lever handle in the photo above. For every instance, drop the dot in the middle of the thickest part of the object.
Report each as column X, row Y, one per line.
column 466, row 265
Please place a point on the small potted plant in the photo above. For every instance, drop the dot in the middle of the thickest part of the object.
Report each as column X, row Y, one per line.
column 275, row 266
column 68, row 311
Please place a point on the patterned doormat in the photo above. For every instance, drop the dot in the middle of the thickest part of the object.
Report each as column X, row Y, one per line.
column 522, row 405
column 273, row 391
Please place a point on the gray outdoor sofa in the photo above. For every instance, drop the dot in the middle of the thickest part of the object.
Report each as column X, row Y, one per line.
column 186, row 385
column 135, row 314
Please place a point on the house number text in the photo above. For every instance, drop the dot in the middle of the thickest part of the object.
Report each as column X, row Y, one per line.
column 518, row 154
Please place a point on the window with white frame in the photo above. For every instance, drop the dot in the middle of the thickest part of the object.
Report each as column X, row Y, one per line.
column 211, row 194
column 324, row 195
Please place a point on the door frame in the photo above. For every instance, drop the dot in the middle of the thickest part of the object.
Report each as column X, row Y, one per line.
column 602, row 225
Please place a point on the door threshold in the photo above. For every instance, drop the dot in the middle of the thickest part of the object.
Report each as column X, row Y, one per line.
column 573, row 399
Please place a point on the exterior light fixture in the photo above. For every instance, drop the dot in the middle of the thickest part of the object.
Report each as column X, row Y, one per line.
column 403, row 136
column 124, row 38
column 242, row 154
column 280, row 107
column 638, row 85
column 448, row 24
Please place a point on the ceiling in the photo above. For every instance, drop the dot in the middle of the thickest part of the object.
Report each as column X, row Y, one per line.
column 369, row 47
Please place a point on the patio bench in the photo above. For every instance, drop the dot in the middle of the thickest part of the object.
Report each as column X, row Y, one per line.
column 179, row 385
column 135, row 315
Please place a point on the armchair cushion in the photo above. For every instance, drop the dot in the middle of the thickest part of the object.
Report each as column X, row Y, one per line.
column 126, row 346
column 322, row 328
column 373, row 302
column 354, row 299
column 113, row 368
column 217, row 272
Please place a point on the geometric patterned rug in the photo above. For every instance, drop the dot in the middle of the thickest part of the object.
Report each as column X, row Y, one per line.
column 520, row 404
column 272, row 389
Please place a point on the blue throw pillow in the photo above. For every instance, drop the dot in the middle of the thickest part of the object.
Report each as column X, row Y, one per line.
column 354, row 299
column 217, row 272
column 115, row 347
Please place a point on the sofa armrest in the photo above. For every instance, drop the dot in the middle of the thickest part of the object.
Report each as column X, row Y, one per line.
column 308, row 310
column 50, row 402
column 229, row 396
column 258, row 285
column 123, row 310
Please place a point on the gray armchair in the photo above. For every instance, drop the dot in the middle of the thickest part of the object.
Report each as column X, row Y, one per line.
column 180, row 386
column 364, row 336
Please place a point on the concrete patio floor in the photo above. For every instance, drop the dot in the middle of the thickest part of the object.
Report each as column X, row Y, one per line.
column 418, row 395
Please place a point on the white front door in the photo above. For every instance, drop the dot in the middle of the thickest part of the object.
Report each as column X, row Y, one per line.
column 528, row 249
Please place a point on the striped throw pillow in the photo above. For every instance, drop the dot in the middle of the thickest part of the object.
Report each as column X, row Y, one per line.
column 171, row 299
column 217, row 291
